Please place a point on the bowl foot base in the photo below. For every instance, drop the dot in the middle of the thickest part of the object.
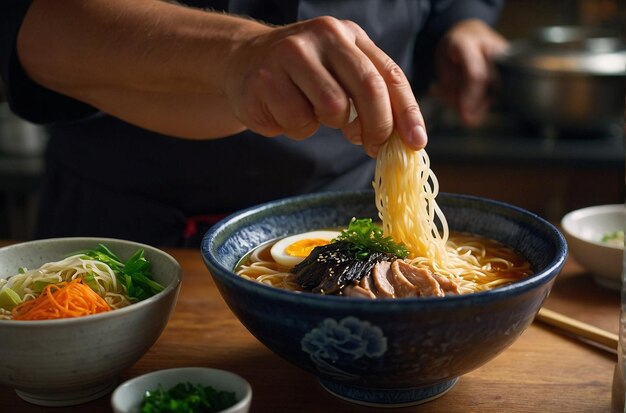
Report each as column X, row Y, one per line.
column 388, row 397
column 68, row 398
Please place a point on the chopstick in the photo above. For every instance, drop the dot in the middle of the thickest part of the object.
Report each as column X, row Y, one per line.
column 586, row 331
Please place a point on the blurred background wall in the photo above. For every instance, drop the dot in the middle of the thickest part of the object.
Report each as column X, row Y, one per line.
column 520, row 17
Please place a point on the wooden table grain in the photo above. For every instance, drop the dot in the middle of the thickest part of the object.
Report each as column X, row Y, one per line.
column 543, row 371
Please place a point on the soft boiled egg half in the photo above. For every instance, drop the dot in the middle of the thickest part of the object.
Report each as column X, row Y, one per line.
column 292, row 250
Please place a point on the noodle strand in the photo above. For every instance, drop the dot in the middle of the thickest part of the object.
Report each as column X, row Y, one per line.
column 405, row 197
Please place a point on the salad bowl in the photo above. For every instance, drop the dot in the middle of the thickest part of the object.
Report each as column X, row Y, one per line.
column 70, row 361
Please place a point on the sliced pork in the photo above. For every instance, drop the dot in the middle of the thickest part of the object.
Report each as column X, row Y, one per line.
column 447, row 285
column 358, row 291
column 421, row 278
column 398, row 279
column 402, row 287
column 380, row 279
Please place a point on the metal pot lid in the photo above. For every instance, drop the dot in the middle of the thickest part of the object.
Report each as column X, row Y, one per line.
column 590, row 38
column 600, row 64
column 568, row 50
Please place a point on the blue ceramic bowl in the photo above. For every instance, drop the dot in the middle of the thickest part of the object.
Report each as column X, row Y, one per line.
column 390, row 352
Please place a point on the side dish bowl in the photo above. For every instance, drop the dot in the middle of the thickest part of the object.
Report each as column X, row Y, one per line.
column 74, row 360
column 127, row 398
column 584, row 229
column 384, row 352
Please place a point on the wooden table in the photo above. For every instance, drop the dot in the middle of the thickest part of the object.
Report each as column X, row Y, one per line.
column 544, row 371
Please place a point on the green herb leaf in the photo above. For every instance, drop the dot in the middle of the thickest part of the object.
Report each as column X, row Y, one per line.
column 134, row 274
column 187, row 398
column 90, row 279
column 366, row 238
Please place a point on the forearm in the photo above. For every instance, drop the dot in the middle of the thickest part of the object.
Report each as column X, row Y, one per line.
column 137, row 60
column 200, row 74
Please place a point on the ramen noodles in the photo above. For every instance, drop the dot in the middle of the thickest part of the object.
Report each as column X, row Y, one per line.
column 410, row 253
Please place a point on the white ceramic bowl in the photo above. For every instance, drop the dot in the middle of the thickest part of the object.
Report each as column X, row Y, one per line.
column 584, row 229
column 128, row 396
column 74, row 360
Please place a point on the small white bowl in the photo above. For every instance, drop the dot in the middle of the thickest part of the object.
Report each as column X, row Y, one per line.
column 584, row 229
column 128, row 396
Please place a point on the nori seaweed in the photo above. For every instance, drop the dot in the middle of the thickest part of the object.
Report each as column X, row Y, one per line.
column 329, row 268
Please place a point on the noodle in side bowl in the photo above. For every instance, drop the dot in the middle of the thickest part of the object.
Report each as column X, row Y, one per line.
column 84, row 283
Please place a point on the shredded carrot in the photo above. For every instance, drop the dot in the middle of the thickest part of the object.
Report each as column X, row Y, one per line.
column 62, row 300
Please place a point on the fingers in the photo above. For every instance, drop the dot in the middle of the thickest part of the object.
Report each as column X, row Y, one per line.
column 474, row 96
column 465, row 68
column 287, row 88
column 328, row 99
column 381, row 93
column 408, row 119
column 289, row 108
column 273, row 105
column 369, row 93
column 303, row 75
column 353, row 133
column 334, row 71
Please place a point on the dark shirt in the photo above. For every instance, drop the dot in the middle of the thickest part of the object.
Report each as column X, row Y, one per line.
column 106, row 177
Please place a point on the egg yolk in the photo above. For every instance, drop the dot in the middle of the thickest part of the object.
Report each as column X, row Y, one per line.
column 304, row 247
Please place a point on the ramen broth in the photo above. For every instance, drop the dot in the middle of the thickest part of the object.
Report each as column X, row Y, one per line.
column 474, row 263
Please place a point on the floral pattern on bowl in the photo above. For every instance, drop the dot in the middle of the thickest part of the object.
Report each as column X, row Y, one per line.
column 340, row 343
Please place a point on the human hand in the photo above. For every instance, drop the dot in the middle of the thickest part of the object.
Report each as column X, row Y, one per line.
column 463, row 67
column 292, row 79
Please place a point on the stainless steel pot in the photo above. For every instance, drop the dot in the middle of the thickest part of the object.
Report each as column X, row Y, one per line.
column 566, row 78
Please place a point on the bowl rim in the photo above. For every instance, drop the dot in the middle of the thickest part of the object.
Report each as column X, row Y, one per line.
column 120, row 312
column 567, row 222
column 130, row 384
column 517, row 288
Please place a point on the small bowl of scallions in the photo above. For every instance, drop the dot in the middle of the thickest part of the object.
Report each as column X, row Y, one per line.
column 595, row 236
column 183, row 390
